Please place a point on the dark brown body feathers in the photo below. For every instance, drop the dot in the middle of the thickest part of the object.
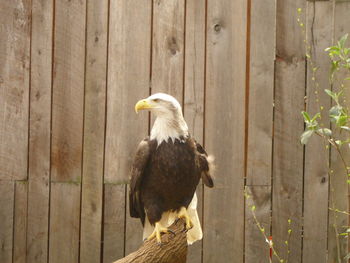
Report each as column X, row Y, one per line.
column 165, row 178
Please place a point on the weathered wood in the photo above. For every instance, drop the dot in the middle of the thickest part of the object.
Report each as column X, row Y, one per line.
column 67, row 130
column 14, row 86
column 261, row 87
column 64, row 222
column 288, row 126
column 20, row 222
column 128, row 81
column 338, row 185
column 114, row 222
column 319, row 36
column 7, row 195
column 194, row 82
column 133, row 229
column 172, row 250
column 260, row 123
column 256, row 248
column 94, row 130
column 68, row 91
column 225, row 93
column 39, row 130
column 168, row 47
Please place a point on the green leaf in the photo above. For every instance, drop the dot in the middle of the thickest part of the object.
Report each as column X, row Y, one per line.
column 330, row 93
column 325, row 131
column 335, row 66
column 335, row 112
column 345, row 128
column 339, row 142
column 306, row 116
column 332, row 49
column 342, row 121
column 317, row 115
column 343, row 40
column 304, row 138
column 347, row 257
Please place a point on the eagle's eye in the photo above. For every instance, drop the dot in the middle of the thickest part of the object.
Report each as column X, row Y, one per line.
column 156, row 100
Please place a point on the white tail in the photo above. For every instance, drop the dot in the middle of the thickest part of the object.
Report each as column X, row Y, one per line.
column 168, row 219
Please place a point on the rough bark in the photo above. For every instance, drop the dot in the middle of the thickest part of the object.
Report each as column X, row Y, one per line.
column 172, row 250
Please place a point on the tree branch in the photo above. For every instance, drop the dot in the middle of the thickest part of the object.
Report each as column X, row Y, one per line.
column 172, row 250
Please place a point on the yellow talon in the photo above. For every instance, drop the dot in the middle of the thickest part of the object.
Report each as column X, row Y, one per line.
column 183, row 214
column 158, row 229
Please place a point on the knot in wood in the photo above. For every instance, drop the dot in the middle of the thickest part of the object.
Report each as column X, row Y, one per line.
column 217, row 27
column 173, row 46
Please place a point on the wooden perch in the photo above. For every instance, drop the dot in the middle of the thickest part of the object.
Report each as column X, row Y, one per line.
column 172, row 250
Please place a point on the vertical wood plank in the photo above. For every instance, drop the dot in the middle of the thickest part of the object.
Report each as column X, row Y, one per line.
column 194, row 92
column 7, row 189
column 256, row 248
column 319, row 36
column 261, row 88
column 260, row 124
column 20, row 222
column 40, row 128
column 225, row 93
column 288, row 152
column 128, row 81
column 168, row 47
column 133, row 230
column 68, row 90
column 67, row 130
column 94, row 129
column 14, row 88
column 114, row 222
column 64, row 222
column 339, row 187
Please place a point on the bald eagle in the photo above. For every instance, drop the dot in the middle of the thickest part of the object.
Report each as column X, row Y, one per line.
column 166, row 171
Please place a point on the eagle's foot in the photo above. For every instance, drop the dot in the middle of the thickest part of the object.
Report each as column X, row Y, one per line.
column 158, row 230
column 183, row 214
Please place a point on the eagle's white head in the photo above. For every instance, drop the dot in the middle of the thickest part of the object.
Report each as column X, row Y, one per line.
column 169, row 121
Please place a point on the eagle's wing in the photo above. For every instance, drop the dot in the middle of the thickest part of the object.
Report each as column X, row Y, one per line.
column 206, row 164
column 141, row 159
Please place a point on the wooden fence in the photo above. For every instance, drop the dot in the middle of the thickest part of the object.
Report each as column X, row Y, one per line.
column 70, row 74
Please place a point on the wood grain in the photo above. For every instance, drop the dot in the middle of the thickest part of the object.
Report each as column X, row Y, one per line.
column 260, row 124
column 319, row 36
column 20, row 222
column 128, row 82
column 40, row 131
column 225, row 93
column 64, row 222
column 288, row 152
column 7, row 190
column 94, row 131
column 14, row 88
column 172, row 250
column 256, row 248
column 68, row 91
column 114, row 222
column 194, row 82
column 168, row 47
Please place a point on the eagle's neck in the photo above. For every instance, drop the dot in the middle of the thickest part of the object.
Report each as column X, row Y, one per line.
column 166, row 127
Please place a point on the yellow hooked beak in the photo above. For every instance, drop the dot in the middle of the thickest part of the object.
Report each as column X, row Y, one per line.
column 142, row 105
